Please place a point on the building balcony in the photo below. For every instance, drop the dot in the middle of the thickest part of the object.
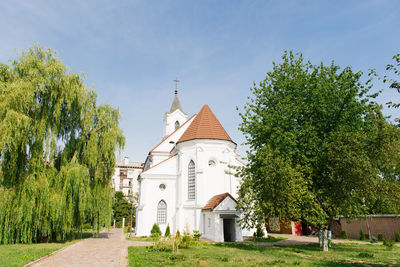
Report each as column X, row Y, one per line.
column 125, row 186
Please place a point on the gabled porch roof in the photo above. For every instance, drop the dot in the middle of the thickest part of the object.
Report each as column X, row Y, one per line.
column 216, row 200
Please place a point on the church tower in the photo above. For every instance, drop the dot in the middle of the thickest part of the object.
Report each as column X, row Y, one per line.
column 175, row 117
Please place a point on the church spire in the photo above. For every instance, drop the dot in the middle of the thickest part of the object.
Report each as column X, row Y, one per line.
column 176, row 104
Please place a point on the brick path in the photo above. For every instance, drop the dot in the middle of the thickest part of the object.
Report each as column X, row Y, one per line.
column 109, row 249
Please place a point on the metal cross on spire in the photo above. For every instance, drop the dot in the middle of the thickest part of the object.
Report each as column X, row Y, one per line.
column 176, row 85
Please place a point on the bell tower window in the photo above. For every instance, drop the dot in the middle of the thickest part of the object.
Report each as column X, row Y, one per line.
column 177, row 124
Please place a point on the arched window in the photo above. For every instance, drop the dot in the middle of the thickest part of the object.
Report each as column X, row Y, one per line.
column 177, row 124
column 191, row 181
column 162, row 212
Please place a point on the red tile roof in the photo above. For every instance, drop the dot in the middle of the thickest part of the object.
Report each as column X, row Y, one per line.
column 205, row 126
column 216, row 200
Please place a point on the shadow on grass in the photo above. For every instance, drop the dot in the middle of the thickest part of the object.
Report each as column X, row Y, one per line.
column 342, row 263
column 75, row 236
column 243, row 246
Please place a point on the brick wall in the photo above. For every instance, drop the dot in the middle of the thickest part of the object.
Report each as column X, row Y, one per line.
column 385, row 225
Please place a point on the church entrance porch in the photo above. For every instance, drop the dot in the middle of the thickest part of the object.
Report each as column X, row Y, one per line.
column 220, row 219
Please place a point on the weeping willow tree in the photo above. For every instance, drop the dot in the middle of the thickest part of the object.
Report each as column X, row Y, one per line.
column 57, row 151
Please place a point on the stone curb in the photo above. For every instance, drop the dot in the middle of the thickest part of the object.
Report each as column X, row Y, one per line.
column 51, row 254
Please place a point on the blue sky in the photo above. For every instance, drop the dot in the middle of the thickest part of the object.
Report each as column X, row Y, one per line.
column 130, row 51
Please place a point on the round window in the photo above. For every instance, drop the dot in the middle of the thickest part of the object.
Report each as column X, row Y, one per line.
column 211, row 163
column 162, row 186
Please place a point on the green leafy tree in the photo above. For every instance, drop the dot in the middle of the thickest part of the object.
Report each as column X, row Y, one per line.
column 318, row 147
column 122, row 208
column 393, row 72
column 57, row 150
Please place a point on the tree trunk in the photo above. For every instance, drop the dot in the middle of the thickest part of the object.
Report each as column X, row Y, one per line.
column 369, row 230
column 325, row 240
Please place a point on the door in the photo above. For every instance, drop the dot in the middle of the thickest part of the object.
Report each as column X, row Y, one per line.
column 229, row 230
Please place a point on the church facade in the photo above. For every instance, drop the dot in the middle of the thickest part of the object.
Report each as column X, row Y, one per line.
column 187, row 180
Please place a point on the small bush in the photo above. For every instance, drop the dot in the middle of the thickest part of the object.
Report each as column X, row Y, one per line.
column 178, row 234
column 127, row 229
column 176, row 257
column 362, row 235
column 344, row 234
column 87, row 226
column 388, row 243
column 185, row 241
column 380, row 237
column 167, row 231
column 374, row 239
column 165, row 244
column 155, row 231
column 396, row 237
column 365, row 255
column 196, row 235
column 259, row 233
column 118, row 225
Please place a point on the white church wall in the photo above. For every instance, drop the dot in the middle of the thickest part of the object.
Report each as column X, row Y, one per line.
column 148, row 216
column 210, row 180
column 208, row 230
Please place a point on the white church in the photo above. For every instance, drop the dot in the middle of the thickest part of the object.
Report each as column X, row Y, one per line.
column 187, row 182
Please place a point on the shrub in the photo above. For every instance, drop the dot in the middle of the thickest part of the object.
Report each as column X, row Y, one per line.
column 155, row 231
column 259, row 233
column 178, row 234
column 374, row 239
column 118, row 225
column 196, row 235
column 380, row 237
column 362, row 235
column 176, row 257
column 165, row 244
column 87, row 226
column 397, row 237
column 185, row 241
column 388, row 243
column 156, row 236
column 167, row 231
column 344, row 234
column 127, row 229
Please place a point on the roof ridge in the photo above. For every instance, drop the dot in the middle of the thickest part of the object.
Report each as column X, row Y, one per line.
column 158, row 164
column 162, row 141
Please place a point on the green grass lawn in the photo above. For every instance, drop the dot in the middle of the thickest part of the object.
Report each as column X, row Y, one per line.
column 252, row 255
column 21, row 254
column 142, row 238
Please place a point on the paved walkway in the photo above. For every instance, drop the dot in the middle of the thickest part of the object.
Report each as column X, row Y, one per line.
column 109, row 249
